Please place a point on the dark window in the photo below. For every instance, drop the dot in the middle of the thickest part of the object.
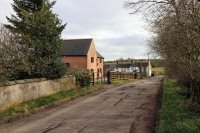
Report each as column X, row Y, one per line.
column 92, row 70
column 67, row 65
column 100, row 60
column 92, row 59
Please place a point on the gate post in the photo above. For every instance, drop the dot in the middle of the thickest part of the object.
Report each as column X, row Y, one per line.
column 108, row 77
column 93, row 78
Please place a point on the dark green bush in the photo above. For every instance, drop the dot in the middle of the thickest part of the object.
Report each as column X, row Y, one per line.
column 37, row 41
column 55, row 70
column 2, row 79
column 19, row 73
column 83, row 78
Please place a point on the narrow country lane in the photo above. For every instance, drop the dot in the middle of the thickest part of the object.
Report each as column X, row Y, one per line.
column 129, row 108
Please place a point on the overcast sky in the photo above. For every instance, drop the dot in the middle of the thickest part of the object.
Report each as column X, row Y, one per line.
column 116, row 33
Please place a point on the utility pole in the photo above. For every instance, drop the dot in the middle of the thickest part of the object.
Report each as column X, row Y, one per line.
column 148, row 67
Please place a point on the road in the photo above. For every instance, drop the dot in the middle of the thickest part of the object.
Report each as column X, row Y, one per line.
column 129, row 108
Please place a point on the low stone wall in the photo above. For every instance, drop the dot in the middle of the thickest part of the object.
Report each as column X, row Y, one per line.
column 16, row 92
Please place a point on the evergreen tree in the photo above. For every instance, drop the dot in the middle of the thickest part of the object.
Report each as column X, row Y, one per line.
column 40, row 29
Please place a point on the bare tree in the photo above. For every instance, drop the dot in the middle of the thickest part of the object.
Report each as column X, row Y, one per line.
column 13, row 54
column 177, row 28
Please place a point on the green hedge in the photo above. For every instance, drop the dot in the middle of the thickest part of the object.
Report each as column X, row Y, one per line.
column 83, row 78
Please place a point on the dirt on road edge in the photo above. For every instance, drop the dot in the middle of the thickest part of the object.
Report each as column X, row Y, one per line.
column 158, row 106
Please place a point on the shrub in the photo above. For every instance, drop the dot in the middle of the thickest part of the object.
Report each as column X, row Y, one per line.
column 2, row 79
column 55, row 70
column 83, row 78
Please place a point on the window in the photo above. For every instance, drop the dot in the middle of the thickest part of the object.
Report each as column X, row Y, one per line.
column 92, row 59
column 100, row 60
column 92, row 70
column 67, row 65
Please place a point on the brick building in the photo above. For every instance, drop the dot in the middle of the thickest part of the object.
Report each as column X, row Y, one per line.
column 81, row 54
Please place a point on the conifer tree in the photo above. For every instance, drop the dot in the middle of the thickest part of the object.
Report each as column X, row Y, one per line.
column 40, row 29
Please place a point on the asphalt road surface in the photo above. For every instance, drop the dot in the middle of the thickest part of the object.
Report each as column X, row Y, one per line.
column 129, row 108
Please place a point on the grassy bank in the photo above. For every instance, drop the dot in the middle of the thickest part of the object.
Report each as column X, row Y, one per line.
column 175, row 115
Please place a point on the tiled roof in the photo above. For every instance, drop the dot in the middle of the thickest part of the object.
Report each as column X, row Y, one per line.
column 99, row 55
column 123, row 65
column 76, row 46
column 143, row 64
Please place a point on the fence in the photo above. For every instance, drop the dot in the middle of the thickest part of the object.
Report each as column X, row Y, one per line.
column 99, row 78
column 104, row 78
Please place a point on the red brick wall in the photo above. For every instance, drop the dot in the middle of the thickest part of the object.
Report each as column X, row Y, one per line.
column 76, row 62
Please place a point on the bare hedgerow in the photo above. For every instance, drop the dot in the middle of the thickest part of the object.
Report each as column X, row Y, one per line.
column 177, row 28
column 13, row 55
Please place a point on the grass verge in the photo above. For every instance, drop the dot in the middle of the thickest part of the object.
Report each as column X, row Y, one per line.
column 175, row 116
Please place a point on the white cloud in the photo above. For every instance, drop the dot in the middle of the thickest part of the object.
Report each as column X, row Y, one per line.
column 116, row 32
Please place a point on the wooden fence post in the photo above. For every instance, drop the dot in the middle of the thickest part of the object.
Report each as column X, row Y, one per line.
column 101, row 77
column 109, row 77
column 93, row 78
column 97, row 78
column 104, row 76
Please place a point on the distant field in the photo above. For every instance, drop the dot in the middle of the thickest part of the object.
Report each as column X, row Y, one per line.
column 158, row 70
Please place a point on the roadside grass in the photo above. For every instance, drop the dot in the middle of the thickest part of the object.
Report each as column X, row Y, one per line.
column 175, row 116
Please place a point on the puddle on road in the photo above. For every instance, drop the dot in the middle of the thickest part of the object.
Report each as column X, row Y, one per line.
column 121, row 93
column 126, row 88
column 132, row 86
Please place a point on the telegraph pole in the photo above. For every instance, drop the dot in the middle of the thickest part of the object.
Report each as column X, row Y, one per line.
column 148, row 67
